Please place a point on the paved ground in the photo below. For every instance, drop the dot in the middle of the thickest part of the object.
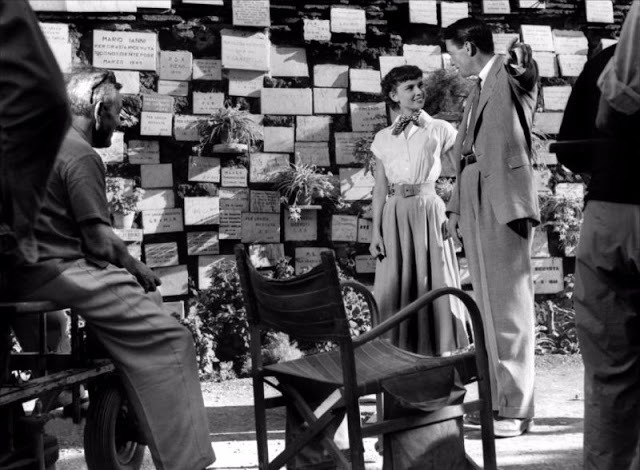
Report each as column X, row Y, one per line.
column 555, row 443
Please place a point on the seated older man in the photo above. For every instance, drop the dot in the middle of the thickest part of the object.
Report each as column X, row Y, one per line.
column 85, row 266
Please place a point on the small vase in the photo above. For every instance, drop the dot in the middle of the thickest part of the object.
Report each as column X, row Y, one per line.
column 304, row 198
column 123, row 220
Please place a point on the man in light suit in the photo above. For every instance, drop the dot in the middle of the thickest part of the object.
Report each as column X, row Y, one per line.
column 495, row 207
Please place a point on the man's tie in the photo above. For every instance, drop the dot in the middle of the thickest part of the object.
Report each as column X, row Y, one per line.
column 404, row 121
column 469, row 138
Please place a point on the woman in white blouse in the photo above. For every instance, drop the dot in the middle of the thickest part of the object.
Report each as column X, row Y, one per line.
column 414, row 256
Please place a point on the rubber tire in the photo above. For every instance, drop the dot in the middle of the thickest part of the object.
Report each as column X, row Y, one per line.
column 100, row 446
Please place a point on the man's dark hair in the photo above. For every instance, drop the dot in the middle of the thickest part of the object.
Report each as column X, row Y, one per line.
column 89, row 86
column 470, row 30
column 395, row 77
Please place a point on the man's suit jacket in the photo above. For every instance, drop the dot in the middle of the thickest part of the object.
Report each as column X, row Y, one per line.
column 503, row 143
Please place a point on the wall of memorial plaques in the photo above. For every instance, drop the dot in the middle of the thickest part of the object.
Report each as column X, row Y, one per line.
column 310, row 76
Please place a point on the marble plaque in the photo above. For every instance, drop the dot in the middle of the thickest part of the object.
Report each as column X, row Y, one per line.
column 307, row 257
column 288, row 101
column 251, row 13
column 539, row 4
column 55, row 32
column 260, row 228
column 130, row 81
column 264, row 165
column 129, row 235
column 547, row 64
column 540, row 248
column 571, row 65
column 173, row 88
column 428, row 58
column 279, row 139
column 365, row 264
column 185, row 128
column 570, row 190
column 206, row 264
column 496, row 7
column 450, row 12
column 157, row 103
column 161, row 254
column 501, row 41
column 157, row 199
column 176, row 65
column 63, row 53
column 175, row 309
column 355, row 185
column 230, row 225
column 201, row 210
column 348, row 20
column 313, row 153
column 316, row 30
column 539, row 37
column 115, row 152
column 175, row 280
column 570, row 42
column 202, row 243
column 388, row 62
column 423, row 11
column 331, row 75
column 267, row 255
column 599, row 11
column 48, row 5
column 367, row 116
column 158, row 124
column 330, row 101
column 247, row 83
column 548, row 275
column 289, row 62
column 204, row 169
column 234, row 199
column 365, row 81
column 245, row 50
column 234, row 176
column 313, row 128
column 162, row 220
column 556, row 97
column 344, row 228
column 365, row 230
column 264, row 201
column 124, row 50
column 207, row 69
column 346, row 143
column 156, row 176
column 207, row 103
column 549, row 123
column 305, row 229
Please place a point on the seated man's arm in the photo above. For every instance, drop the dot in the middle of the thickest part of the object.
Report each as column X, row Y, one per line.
column 102, row 243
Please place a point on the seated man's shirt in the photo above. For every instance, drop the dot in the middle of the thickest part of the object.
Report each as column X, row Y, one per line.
column 75, row 195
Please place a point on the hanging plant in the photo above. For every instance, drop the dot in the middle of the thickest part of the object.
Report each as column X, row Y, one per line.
column 229, row 129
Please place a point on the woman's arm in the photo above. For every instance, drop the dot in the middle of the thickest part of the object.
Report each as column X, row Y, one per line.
column 376, row 248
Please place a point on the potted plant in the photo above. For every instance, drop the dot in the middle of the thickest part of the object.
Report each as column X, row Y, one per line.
column 563, row 215
column 123, row 201
column 229, row 130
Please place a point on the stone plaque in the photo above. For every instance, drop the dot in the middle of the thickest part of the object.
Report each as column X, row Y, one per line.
column 202, row 243
column 234, row 199
column 549, row 123
column 115, row 152
column 355, row 185
column 48, row 5
column 157, row 199
column 346, row 143
column 156, row 176
column 55, row 32
column 204, row 169
column 176, row 65
column 245, row 50
column 207, row 103
column 556, row 97
column 175, row 280
column 173, row 88
column 307, row 257
column 175, row 309
column 428, row 58
column 313, row 128
column 331, row 75
column 288, row 101
column 571, row 65
column 599, row 11
column 264, row 165
column 234, row 176
column 330, row 101
column 206, row 264
column 63, row 53
column 317, row 30
column 264, row 201
column 547, row 65
column 344, row 228
column 501, row 41
column 365, row 81
column 450, row 12
column 161, row 254
column 251, row 13
column 266, row 256
column 185, row 128
column 260, row 228
column 124, row 50
column 313, row 153
column 388, row 62
column 539, row 37
column 159, row 124
column 348, row 20
column 157, row 103
column 496, row 7
column 279, row 139
column 548, row 277
column 129, row 80
column 570, row 42
column 423, row 11
column 305, row 229
column 230, row 225
column 207, row 69
column 202, row 210
column 129, row 235
column 289, row 62
column 365, row 230
column 540, row 248
column 247, row 83
column 367, row 116
column 162, row 220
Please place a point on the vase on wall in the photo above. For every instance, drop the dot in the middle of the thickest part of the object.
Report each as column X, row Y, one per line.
column 123, row 220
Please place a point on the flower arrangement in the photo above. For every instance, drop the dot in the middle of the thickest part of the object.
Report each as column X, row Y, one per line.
column 229, row 129
column 123, row 201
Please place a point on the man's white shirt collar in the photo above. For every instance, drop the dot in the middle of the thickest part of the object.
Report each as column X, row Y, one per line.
column 484, row 73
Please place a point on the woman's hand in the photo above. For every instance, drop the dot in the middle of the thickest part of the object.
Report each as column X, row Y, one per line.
column 376, row 248
column 452, row 228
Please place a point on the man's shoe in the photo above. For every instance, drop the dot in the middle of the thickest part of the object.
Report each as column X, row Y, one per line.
column 511, row 427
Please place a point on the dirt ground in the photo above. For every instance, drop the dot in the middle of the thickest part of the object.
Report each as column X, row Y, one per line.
column 555, row 443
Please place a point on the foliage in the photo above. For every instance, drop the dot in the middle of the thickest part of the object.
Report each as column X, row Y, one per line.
column 229, row 124
column 362, row 151
column 120, row 198
column 564, row 216
column 555, row 317
column 445, row 91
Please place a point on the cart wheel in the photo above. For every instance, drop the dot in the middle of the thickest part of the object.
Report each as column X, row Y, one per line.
column 110, row 432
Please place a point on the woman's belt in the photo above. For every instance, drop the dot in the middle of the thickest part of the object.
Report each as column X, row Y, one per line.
column 408, row 190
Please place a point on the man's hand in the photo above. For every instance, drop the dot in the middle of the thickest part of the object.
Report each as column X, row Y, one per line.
column 145, row 276
column 376, row 248
column 519, row 55
column 452, row 228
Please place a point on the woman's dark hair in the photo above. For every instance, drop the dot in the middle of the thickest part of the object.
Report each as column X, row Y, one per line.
column 470, row 30
column 395, row 77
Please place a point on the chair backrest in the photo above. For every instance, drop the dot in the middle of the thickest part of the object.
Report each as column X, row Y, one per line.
column 308, row 306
